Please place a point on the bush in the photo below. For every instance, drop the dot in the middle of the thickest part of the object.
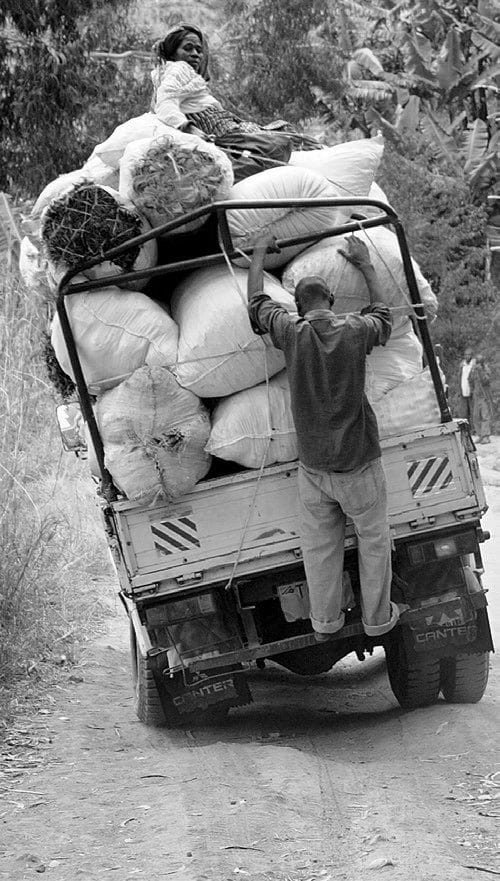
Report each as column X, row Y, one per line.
column 51, row 550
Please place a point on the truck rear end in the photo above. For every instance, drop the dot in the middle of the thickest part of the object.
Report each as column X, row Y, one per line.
column 214, row 581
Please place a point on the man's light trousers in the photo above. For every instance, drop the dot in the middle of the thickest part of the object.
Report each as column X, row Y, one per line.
column 325, row 499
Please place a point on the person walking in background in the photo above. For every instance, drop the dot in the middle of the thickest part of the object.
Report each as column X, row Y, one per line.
column 466, row 367
column 482, row 404
column 340, row 468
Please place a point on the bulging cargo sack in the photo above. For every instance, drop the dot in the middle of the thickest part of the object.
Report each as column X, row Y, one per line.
column 255, row 427
column 351, row 166
column 218, row 351
column 97, row 172
column 94, row 171
column 154, row 434
column 55, row 189
column 347, row 283
column 411, row 405
column 388, row 366
column 286, row 222
column 116, row 331
column 375, row 192
column 148, row 125
column 171, row 175
column 88, row 220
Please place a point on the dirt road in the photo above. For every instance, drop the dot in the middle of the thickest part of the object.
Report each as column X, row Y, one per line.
column 325, row 778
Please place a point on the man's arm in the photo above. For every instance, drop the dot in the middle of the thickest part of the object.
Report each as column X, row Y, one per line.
column 266, row 316
column 376, row 317
column 256, row 272
column 358, row 254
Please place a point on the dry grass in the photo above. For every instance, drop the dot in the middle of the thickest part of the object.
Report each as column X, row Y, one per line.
column 55, row 575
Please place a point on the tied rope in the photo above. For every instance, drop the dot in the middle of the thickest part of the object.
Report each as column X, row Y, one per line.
column 268, row 439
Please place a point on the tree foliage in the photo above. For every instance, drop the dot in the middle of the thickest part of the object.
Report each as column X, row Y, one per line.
column 281, row 53
column 57, row 99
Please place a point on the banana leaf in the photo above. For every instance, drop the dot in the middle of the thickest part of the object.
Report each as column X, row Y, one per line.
column 450, row 61
column 474, row 146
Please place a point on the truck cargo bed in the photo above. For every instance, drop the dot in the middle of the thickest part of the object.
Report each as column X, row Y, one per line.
column 247, row 522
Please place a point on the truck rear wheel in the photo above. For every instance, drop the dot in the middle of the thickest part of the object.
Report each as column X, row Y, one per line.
column 464, row 678
column 415, row 682
column 147, row 704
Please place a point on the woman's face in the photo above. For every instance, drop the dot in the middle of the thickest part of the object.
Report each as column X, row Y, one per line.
column 190, row 50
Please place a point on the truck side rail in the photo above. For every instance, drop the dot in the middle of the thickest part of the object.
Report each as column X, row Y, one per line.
column 386, row 217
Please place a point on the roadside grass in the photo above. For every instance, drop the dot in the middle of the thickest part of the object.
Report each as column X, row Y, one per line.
column 56, row 579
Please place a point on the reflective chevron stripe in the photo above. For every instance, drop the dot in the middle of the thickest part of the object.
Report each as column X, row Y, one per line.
column 172, row 536
column 427, row 476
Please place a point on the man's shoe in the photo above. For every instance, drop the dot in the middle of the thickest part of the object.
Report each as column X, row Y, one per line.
column 322, row 637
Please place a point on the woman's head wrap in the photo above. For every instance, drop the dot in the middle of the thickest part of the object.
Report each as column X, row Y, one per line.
column 165, row 49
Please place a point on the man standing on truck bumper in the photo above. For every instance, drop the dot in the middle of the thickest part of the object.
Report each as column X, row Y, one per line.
column 340, row 468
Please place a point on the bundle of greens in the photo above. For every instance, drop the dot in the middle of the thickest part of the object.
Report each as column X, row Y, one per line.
column 85, row 222
column 169, row 176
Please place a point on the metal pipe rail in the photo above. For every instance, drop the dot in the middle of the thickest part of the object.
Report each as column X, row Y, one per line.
column 386, row 217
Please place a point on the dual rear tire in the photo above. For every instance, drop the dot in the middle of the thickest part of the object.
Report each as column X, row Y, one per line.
column 417, row 681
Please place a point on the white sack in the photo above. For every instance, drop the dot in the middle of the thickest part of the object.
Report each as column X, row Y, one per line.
column 55, row 189
column 116, row 331
column 148, row 125
column 98, row 172
column 253, row 424
column 169, row 176
column 387, row 366
column 93, row 171
column 411, row 405
column 283, row 183
column 351, row 166
column 348, row 284
column 147, row 253
column 154, row 433
column 375, row 192
column 33, row 267
column 218, row 351
column 255, row 427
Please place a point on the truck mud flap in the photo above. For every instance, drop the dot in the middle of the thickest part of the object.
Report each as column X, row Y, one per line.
column 185, row 692
column 458, row 626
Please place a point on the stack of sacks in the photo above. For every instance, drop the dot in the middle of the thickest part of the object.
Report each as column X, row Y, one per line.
column 218, row 352
column 255, row 427
column 172, row 174
column 116, row 331
column 154, row 433
column 347, row 283
column 332, row 173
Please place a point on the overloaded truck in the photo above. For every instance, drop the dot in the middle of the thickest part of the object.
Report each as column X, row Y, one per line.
column 213, row 581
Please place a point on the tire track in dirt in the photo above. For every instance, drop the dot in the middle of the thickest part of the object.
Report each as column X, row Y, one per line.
column 319, row 777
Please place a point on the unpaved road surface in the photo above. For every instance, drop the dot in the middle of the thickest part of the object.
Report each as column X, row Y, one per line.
column 320, row 779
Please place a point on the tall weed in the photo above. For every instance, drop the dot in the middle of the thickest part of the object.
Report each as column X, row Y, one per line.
column 54, row 568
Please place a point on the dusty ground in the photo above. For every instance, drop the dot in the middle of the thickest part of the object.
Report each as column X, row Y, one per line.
column 325, row 778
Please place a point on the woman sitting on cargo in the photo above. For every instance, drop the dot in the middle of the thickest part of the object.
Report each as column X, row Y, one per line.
column 182, row 98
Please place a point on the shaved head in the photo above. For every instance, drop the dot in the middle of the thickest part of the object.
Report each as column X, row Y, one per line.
column 312, row 292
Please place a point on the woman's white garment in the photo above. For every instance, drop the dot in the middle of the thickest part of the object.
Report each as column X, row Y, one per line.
column 179, row 90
